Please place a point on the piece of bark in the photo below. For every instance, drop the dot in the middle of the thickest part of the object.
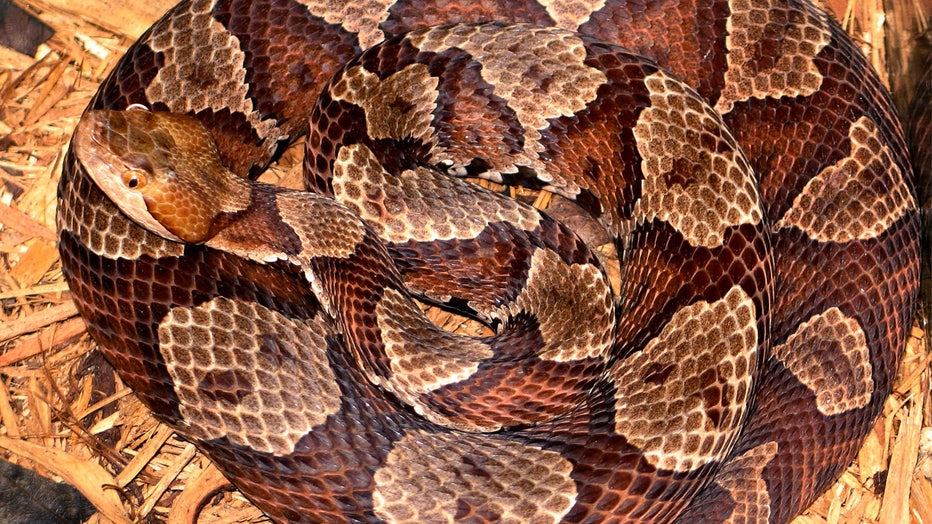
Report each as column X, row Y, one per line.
column 21, row 31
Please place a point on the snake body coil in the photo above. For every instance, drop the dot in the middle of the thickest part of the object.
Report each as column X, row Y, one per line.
column 764, row 216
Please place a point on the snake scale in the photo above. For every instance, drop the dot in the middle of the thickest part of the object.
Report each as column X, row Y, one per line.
column 763, row 213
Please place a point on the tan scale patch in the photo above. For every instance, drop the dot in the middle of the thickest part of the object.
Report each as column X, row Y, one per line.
column 695, row 177
column 201, row 49
column 858, row 198
column 742, row 479
column 416, row 205
column 682, row 399
column 308, row 215
column 553, row 289
column 435, row 478
column 539, row 72
column 248, row 374
column 570, row 14
column 422, row 356
column 804, row 33
column 398, row 107
column 122, row 238
column 828, row 353
column 359, row 16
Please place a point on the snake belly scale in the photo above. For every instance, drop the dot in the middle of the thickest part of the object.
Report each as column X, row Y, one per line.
column 763, row 211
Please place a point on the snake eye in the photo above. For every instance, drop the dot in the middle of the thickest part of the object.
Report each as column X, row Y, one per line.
column 134, row 180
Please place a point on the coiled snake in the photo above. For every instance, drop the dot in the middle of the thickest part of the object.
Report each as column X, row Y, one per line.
column 764, row 218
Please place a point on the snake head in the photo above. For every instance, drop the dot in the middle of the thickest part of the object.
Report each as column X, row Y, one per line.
column 161, row 169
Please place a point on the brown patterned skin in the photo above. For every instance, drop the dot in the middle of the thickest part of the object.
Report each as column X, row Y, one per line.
column 797, row 303
column 919, row 123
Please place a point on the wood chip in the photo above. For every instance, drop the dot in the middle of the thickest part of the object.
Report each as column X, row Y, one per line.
column 34, row 262
column 208, row 482
column 22, row 222
column 90, row 479
column 35, row 321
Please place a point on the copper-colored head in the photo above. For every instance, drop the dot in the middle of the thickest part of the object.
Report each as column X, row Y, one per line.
column 161, row 169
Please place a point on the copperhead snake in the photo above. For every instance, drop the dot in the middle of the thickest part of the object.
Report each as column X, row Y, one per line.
column 764, row 216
